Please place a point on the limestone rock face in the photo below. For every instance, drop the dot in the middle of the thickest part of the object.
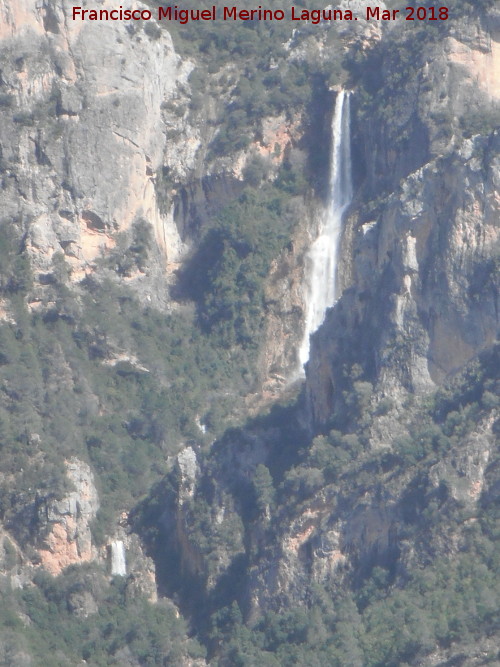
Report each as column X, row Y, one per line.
column 82, row 133
column 420, row 274
column 463, row 470
column 206, row 537
column 69, row 539
column 420, row 288
column 279, row 362
column 419, row 300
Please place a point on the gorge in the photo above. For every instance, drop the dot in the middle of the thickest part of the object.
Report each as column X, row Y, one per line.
column 185, row 211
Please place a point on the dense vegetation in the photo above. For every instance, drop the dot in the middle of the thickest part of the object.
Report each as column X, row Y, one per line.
column 244, row 65
column 226, row 276
column 380, row 625
column 123, row 628
column 389, row 610
column 99, row 376
column 91, row 372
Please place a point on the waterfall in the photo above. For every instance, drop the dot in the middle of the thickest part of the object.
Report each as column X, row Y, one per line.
column 321, row 259
column 118, row 564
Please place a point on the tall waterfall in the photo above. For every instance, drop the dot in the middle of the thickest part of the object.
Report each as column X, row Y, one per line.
column 321, row 259
column 118, row 564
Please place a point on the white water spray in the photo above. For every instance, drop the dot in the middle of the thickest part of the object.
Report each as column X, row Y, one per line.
column 321, row 259
column 118, row 563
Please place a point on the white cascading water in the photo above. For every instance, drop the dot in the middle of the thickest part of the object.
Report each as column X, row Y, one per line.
column 118, row 563
column 321, row 259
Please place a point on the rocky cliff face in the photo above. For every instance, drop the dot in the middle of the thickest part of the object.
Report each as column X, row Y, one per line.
column 94, row 157
column 433, row 250
column 80, row 110
column 419, row 267
column 68, row 540
column 419, row 302
column 420, row 298
column 82, row 99
column 99, row 145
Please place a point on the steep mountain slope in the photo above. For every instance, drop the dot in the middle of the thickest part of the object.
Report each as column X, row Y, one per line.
column 156, row 212
column 135, row 253
column 402, row 385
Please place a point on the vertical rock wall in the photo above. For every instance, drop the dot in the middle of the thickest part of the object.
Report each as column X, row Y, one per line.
column 420, row 268
column 81, row 134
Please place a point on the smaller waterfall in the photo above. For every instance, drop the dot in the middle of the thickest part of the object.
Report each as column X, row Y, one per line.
column 321, row 259
column 118, row 563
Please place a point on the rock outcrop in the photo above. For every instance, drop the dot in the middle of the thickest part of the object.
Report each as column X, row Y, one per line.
column 80, row 166
column 68, row 540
